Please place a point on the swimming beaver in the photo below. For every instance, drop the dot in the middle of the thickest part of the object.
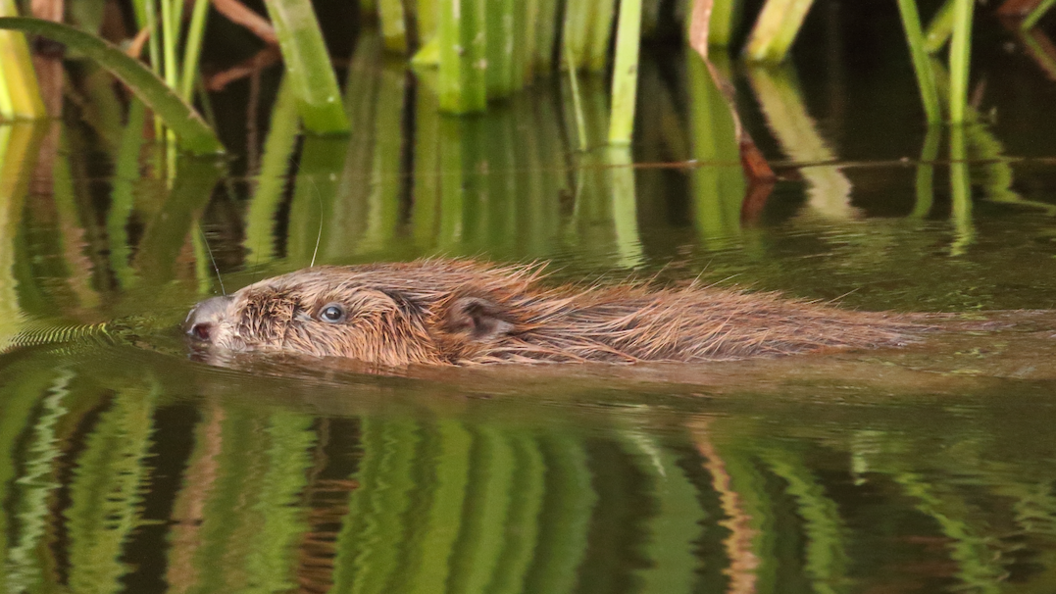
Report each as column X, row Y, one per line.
column 456, row 312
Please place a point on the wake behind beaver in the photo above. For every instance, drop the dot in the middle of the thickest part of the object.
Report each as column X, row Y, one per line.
column 460, row 312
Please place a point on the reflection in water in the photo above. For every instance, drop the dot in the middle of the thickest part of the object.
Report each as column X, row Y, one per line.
column 777, row 89
column 125, row 467
column 378, row 486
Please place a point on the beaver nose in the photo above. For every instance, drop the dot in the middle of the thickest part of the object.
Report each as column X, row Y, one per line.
column 203, row 318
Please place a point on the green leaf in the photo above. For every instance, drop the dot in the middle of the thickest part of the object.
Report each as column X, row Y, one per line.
column 308, row 66
column 193, row 134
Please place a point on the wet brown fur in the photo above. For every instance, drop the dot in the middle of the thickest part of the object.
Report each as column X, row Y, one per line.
column 443, row 312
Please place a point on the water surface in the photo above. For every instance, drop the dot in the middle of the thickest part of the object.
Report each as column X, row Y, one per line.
column 127, row 464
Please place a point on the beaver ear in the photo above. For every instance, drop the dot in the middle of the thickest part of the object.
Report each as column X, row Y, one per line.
column 478, row 318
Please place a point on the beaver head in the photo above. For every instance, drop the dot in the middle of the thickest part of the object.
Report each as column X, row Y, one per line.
column 439, row 312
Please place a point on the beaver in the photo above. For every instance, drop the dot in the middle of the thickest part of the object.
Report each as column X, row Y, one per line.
column 462, row 312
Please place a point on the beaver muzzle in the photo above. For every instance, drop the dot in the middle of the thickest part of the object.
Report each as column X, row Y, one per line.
column 202, row 321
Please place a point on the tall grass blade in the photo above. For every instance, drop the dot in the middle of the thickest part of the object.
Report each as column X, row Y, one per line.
column 393, row 25
column 170, row 36
column 500, row 43
column 960, row 59
column 193, row 49
column 725, row 17
column 428, row 15
column 1038, row 12
column 625, row 72
column 194, row 135
column 576, row 32
column 600, row 32
column 18, row 81
column 940, row 28
column 545, row 34
column 775, row 29
column 463, row 59
column 929, row 96
column 308, row 66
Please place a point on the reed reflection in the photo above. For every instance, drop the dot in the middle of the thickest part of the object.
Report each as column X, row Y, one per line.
column 378, row 486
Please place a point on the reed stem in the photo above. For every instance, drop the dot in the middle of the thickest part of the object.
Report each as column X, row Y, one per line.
column 308, row 66
column 1037, row 13
column 960, row 59
column 393, row 25
column 19, row 88
column 929, row 96
column 500, row 43
column 462, row 82
column 193, row 49
column 169, row 38
column 940, row 28
column 725, row 16
column 625, row 72
column 600, row 31
column 776, row 29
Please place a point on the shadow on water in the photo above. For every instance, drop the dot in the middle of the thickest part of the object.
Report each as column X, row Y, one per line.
column 125, row 466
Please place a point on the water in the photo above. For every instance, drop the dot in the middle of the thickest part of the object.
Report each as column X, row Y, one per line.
column 129, row 464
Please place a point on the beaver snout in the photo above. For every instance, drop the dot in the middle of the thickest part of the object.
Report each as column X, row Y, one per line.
column 201, row 322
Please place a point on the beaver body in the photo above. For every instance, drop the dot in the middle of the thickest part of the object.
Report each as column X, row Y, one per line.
column 456, row 312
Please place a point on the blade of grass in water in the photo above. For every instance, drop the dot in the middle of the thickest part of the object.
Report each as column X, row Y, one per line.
column 546, row 35
column 170, row 36
column 601, row 27
column 427, row 16
column 576, row 32
column 308, row 66
column 500, row 17
column 960, row 59
column 921, row 66
column 1037, row 13
column 194, row 135
column 625, row 72
column 393, row 25
column 462, row 82
column 193, row 48
column 18, row 81
column 776, row 29
column 940, row 28
column 725, row 15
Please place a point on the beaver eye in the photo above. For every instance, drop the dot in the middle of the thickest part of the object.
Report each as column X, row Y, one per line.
column 332, row 312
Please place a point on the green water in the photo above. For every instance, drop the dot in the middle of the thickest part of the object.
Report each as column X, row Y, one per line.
column 129, row 465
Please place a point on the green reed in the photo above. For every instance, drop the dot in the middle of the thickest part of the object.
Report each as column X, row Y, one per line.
column 19, row 90
column 463, row 56
column 1038, row 12
column 308, row 66
column 625, row 72
column 393, row 24
column 940, row 28
column 725, row 18
column 921, row 66
column 775, row 29
column 960, row 59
